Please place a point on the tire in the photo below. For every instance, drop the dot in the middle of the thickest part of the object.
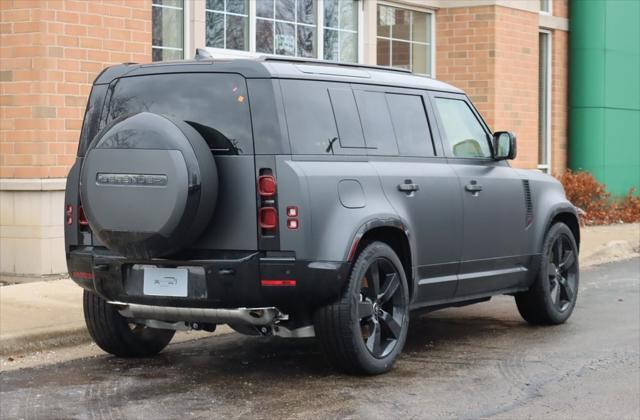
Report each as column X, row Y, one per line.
column 148, row 185
column 113, row 333
column 553, row 295
column 353, row 341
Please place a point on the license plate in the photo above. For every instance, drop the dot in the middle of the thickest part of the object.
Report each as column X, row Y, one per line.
column 165, row 282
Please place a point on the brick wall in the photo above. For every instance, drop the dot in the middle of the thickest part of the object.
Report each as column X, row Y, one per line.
column 559, row 101
column 491, row 52
column 516, row 106
column 465, row 54
column 50, row 53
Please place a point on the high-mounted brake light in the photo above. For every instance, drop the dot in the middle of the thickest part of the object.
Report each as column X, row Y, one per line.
column 267, row 185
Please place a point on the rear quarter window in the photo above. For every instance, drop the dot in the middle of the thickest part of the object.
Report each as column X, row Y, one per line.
column 217, row 105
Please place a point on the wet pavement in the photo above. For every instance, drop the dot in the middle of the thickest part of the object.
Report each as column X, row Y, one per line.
column 477, row 361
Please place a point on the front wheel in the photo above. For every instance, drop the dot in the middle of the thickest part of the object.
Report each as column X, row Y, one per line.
column 119, row 336
column 364, row 332
column 554, row 293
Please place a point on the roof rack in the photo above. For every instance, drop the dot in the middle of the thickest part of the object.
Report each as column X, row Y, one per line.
column 329, row 62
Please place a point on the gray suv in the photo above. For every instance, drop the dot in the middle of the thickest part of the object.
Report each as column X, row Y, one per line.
column 302, row 198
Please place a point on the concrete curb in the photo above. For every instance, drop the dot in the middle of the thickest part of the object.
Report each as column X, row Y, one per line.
column 54, row 339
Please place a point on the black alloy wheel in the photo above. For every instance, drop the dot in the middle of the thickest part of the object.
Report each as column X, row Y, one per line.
column 553, row 295
column 382, row 307
column 562, row 272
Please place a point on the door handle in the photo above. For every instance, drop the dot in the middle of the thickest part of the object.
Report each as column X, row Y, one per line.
column 473, row 187
column 408, row 186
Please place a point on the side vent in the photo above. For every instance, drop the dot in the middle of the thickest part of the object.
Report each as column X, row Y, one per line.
column 527, row 202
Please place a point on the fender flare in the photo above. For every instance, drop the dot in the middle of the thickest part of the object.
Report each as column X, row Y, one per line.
column 392, row 222
column 553, row 213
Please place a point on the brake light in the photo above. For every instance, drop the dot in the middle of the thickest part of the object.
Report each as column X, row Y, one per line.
column 268, row 218
column 82, row 219
column 68, row 214
column 267, row 185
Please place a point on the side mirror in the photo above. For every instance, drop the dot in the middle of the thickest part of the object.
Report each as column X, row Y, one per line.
column 504, row 145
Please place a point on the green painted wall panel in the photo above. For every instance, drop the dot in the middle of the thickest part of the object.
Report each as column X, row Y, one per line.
column 604, row 91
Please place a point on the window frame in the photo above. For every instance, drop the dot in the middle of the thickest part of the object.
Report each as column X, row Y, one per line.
column 442, row 133
column 547, row 12
column 432, row 44
column 546, row 165
column 186, row 28
column 319, row 35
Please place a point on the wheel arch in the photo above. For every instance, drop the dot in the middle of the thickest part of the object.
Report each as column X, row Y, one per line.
column 395, row 234
column 566, row 215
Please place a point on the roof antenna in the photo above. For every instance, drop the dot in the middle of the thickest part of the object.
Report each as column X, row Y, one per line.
column 203, row 54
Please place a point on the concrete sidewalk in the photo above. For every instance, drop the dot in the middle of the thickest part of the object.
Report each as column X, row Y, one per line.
column 46, row 314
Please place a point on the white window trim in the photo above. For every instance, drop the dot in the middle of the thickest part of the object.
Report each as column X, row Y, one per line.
column 547, row 167
column 431, row 44
column 550, row 11
column 251, row 53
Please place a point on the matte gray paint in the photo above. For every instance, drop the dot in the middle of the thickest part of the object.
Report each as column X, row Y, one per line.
column 233, row 225
column 351, row 194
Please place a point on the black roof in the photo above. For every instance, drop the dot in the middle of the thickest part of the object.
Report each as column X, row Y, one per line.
column 282, row 67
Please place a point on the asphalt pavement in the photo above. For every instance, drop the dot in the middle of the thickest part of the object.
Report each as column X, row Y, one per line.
column 480, row 361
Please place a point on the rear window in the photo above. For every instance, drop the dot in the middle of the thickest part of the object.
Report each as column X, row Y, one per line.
column 214, row 104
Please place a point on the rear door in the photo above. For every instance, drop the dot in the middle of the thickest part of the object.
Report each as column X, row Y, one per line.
column 417, row 181
column 217, row 106
column 493, row 199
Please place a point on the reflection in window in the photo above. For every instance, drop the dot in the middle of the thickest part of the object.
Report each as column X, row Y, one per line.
column 286, row 27
column 464, row 135
column 227, row 24
column 341, row 30
column 168, row 30
column 404, row 39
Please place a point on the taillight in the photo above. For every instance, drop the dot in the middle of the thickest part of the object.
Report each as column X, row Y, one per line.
column 268, row 218
column 267, row 186
column 267, row 212
column 82, row 219
column 68, row 214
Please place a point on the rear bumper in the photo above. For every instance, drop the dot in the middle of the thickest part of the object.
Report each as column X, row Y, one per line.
column 226, row 281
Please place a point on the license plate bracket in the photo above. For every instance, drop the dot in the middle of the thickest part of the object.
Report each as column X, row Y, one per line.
column 173, row 282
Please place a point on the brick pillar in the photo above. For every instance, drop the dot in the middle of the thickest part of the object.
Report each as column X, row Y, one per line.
column 50, row 53
column 491, row 52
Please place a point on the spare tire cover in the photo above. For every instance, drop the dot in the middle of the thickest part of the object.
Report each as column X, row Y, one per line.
column 148, row 185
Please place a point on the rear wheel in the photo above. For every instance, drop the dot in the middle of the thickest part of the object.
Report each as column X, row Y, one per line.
column 553, row 295
column 364, row 332
column 119, row 336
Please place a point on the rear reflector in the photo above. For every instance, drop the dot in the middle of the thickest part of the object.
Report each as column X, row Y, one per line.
column 268, row 218
column 82, row 219
column 82, row 275
column 285, row 283
column 267, row 186
column 68, row 214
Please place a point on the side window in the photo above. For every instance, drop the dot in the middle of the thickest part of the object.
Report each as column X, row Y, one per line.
column 464, row 136
column 410, row 125
column 312, row 127
column 376, row 123
column 346, row 115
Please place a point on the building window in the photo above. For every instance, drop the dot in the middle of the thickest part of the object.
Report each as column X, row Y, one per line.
column 168, row 30
column 227, row 24
column 544, row 102
column 404, row 39
column 299, row 28
column 341, row 30
column 545, row 6
column 286, row 27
